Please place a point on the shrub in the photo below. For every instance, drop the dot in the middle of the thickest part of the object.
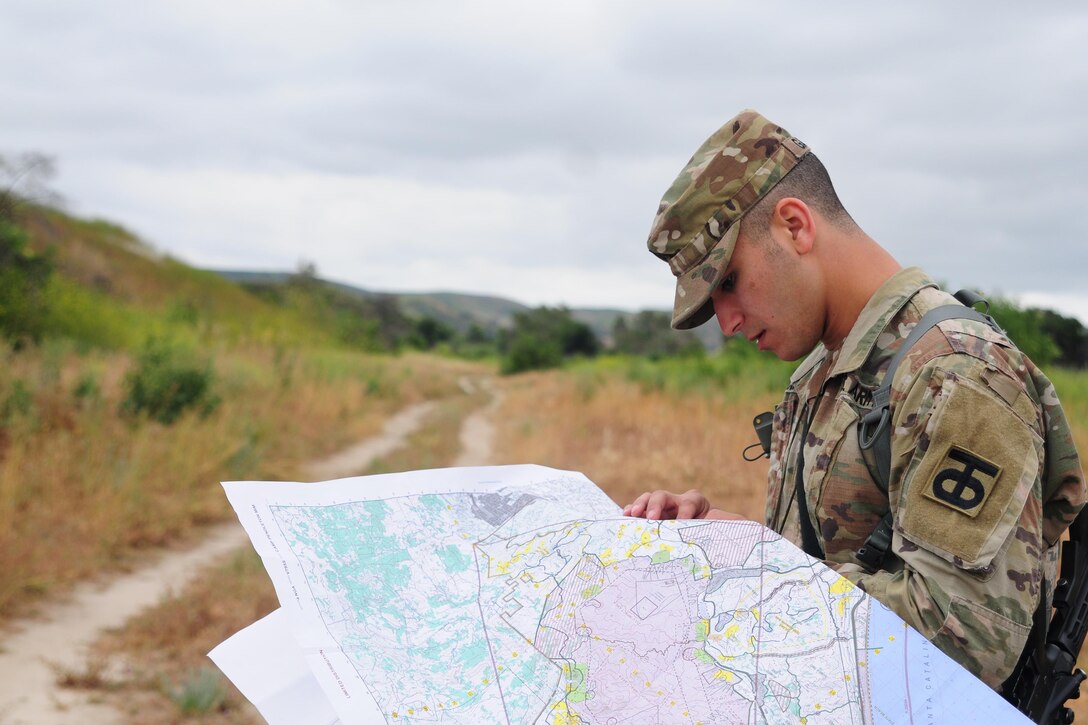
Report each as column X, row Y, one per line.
column 201, row 693
column 528, row 352
column 168, row 380
column 24, row 277
column 542, row 337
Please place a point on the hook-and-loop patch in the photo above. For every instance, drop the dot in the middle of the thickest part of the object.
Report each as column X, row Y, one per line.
column 964, row 492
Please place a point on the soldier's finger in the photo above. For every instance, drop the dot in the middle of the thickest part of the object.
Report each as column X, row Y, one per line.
column 638, row 506
column 661, row 504
column 688, row 509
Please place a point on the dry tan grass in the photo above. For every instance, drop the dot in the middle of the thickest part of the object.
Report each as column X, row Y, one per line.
column 82, row 488
column 166, row 644
column 628, row 439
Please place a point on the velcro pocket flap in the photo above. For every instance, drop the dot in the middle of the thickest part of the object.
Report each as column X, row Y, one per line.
column 967, row 492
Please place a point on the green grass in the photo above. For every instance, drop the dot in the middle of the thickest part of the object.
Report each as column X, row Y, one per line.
column 737, row 372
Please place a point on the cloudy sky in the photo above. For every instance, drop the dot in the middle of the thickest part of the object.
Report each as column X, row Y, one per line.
column 520, row 149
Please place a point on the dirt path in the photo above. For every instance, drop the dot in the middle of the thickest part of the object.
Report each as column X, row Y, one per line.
column 63, row 632
column 477, row 430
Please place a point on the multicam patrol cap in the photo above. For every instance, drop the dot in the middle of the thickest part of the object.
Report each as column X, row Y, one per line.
column 698, row 220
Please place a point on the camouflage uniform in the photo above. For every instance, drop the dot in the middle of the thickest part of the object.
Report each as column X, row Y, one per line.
column 984, row 474
column 970, row 558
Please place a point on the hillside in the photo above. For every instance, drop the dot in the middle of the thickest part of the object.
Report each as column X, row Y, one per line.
column 461, row 311
column 113, row 290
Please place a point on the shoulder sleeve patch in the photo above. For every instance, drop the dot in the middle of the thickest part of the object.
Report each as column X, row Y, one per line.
column 963, row 481
column 966, row 490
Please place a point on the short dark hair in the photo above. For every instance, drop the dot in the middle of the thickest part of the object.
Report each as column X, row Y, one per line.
column 807, row 181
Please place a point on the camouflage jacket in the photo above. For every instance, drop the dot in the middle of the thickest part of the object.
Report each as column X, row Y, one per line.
column 984, row 473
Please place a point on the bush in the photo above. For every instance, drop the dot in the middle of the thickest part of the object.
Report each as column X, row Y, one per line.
column 167, row 381
column 527, row 352
column 202, row 692
column 24, row 277
column 542, row 337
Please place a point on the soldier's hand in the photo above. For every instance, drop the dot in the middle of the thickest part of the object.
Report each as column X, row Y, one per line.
column 724, row 515
column 667, row 505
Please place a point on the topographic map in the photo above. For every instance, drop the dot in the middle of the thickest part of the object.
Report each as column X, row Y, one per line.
column 518, row 594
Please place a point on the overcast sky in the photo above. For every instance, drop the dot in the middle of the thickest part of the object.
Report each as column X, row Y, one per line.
column 520, row 149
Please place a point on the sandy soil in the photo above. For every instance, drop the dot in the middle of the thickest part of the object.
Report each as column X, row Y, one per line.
column 32, row 650
column 477, row 430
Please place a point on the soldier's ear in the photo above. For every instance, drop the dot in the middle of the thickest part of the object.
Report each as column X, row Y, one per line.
column 795, row 223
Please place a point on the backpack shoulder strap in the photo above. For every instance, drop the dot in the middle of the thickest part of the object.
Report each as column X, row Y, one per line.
column 874, row 430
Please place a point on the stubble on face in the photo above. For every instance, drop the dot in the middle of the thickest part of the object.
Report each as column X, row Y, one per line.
column 780, row 297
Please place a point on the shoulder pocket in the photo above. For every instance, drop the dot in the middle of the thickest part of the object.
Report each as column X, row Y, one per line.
column 973, row 468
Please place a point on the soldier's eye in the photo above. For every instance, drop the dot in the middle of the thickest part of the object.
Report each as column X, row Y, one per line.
column 729, row 283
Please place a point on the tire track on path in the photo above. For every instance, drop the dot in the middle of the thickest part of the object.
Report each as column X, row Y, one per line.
column 62, row 633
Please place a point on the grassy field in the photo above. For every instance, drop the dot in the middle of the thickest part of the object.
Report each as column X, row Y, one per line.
column 137, row 483
column 630, row 425
column 168, row 674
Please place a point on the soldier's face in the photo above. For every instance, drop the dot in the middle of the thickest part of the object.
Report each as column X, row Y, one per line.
column 770, row 296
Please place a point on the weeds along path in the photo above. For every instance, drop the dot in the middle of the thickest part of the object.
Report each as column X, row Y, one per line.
column 34, row 651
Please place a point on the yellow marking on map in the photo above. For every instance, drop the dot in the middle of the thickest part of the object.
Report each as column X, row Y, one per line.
column 645, row 539
column 732, row 630
column 840, row 587
column 724, row 675
column 563, row 716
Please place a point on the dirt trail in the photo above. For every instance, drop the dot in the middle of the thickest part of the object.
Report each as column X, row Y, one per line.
column 477, row 430
column 63, row 632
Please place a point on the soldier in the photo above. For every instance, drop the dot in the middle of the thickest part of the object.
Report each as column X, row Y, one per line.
column 984, row 476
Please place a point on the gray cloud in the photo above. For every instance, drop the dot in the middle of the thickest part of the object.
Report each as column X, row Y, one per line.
column 521, row 150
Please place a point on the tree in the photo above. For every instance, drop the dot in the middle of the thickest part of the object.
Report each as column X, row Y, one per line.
column 428, row 332
column 1025, row 328
column 542, row 337
column 1069, row 335
column 649, row 334
column 24, row 278
column 23, row 178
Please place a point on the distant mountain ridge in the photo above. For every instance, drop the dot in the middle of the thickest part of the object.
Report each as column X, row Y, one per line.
column 461, row 310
